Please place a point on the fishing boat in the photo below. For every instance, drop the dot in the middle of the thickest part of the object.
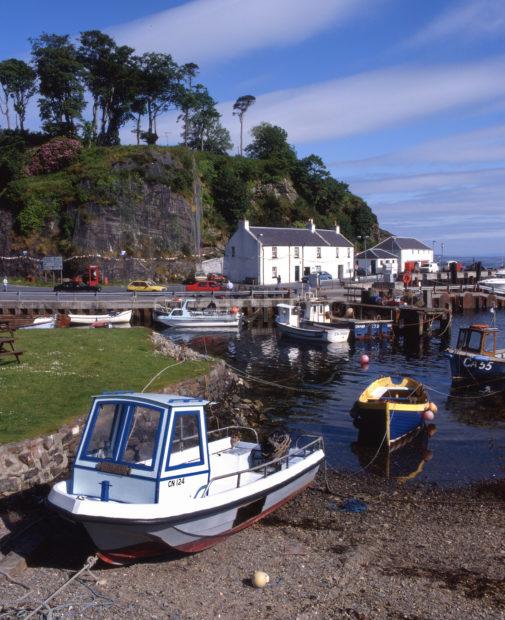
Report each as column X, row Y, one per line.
column 182, row 317
column 42, row 322
column 290, row 322
column 149, row 477
column 317, row 313
column 494, row 285
column 112, row 318
column 391, row 408
column 476, row 360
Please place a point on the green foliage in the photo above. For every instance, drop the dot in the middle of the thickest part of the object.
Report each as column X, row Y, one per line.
column 271, row 144
column 17, row 79
column 12, row 157
column 61, row 88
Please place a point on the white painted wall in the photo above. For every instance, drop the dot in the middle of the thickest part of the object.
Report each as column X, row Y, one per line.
column 241, row 256
column 415, row 255
column 382, row 265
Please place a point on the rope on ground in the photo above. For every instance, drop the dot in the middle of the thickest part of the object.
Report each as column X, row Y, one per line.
column 159, row 373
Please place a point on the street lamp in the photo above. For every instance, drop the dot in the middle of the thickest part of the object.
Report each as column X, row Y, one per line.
column 364, row 237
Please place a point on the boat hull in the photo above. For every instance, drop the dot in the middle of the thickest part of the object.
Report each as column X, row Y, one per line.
column 388, row 426
column 314, row 334
column 468, row 369
column 367, row 330
column 89, row 319
column 210, row 322
column 123, row 541
column 43, row 324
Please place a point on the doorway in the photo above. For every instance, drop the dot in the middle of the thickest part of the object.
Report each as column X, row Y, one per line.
column 297, row 273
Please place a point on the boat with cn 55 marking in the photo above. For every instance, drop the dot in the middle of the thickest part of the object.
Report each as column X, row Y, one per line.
column 149, row 476
column 476, row 360
column 391, row 408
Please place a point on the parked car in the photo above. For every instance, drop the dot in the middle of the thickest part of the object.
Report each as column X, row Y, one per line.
column 146, row 286
column 73, row 287
column 205, row 287
column 323, row 276
column 200, row 276
column 217, row 277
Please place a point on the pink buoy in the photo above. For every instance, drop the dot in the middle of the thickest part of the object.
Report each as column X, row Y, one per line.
column 364, row 360
column 428, row 416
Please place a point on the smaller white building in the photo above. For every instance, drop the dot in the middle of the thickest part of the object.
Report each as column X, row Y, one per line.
column 265, row 255
column 377, row 261
column 406, row 249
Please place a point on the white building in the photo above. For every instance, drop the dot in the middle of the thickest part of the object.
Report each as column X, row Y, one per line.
column 377, row 260
column 262, row 254
column 406, row 249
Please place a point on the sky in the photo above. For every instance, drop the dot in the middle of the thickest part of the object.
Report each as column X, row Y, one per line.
column 404, row 100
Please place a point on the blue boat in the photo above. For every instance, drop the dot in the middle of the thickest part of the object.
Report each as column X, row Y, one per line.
column 367, row 329
column 476, row 360
column 390, row 409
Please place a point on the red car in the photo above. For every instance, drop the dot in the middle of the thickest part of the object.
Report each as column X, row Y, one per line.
column 205, row 287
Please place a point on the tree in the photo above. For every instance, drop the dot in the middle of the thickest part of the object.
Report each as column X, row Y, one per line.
column 217, row 139
column 203, row 118
column 18, row 83
column 187, row 73
column 61, row 83
column 271, row 143
column 240, row 107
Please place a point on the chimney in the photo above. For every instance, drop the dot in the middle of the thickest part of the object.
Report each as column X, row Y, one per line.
column 311, row 226
column 245, row 224
column 337, row 228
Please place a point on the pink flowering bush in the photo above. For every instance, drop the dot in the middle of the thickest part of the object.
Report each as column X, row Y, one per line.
column 53, row 156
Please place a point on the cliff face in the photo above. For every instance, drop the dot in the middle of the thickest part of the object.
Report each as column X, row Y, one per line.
column 157, row 201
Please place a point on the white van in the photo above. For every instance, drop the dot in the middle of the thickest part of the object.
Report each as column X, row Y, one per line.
column 430, row 268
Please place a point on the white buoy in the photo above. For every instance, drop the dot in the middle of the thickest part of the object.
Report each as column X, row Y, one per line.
column 260, row 579
column 364, row 360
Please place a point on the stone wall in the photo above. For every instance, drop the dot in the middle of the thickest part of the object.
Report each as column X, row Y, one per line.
column 28, row 463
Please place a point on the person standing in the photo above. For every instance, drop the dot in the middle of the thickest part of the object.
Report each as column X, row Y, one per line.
column 229, row 286
column 5, row 283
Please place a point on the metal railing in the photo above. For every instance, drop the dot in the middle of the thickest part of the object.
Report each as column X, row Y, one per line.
column 234, row 427
column 273, row 465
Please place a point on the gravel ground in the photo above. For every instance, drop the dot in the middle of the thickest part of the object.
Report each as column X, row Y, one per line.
column 415, row 553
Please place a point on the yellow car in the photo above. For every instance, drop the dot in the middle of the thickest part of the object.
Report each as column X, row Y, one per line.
column 146, row 286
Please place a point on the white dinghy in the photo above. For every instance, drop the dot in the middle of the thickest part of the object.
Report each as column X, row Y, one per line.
column 149, row 477
column 182, row 317
column 113, row 318
column 291, row 322
column 42, row 322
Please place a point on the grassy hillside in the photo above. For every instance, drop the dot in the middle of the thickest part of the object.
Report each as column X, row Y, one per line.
column 51, row 196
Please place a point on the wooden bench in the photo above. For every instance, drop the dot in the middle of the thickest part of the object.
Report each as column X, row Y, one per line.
column 5, row 327
column 15, row 353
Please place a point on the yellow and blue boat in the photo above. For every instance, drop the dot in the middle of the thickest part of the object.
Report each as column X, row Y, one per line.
column 390, row 409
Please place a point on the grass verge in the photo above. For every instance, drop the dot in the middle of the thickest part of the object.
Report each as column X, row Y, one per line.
column 62, row 368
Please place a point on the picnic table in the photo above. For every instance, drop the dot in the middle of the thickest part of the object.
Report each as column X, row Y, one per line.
column 7, row 348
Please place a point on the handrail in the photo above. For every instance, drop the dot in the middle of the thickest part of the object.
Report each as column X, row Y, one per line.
column 244, row 428
column 313, row 446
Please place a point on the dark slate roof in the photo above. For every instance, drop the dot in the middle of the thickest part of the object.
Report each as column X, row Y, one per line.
column 287, row 236
column 393, row 244
column 375, row 253
column 333, row 238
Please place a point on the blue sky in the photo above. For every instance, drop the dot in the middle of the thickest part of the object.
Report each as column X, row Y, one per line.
column 403, row 99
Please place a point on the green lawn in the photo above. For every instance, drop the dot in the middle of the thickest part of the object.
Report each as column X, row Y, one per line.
column 62, row 368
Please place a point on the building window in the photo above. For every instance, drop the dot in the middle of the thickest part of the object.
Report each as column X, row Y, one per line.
column 336, row 252
column 318, row 268
column 274, row 251
column 297, row 252
column 318, row 252
column 233, row 250
column 348, row 252
column 274, row 272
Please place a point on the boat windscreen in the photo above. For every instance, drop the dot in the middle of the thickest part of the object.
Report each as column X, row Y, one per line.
column 104, row 432
column 474, row 340
column 140, row 446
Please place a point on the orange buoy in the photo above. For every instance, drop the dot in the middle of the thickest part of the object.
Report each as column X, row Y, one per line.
column 234, row 310
column 407, row 278
column 432, row 407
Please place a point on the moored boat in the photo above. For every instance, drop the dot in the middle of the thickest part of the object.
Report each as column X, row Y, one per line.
column 391, row 408
column 476, row 360
column 149, row 477
column 113, row 318
column 290, row 322
column 182, row 317
column 495, row 284
column 42, row 322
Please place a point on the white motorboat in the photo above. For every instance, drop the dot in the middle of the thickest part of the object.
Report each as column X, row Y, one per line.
column 290, row 322
column 149, row 477
column 494, row 285
column 181, row 316
column 42, row 322
column 113, row 318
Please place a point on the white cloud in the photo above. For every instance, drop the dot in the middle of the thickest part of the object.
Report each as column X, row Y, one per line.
column 208, row 30
column 469, row 20
column 370, row 101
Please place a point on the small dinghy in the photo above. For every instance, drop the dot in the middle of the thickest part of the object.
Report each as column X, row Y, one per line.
column 42, row 322
column 391, row 408
column 113, row 318
column 149, row 477
column 290, row 322
column 182, row 317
